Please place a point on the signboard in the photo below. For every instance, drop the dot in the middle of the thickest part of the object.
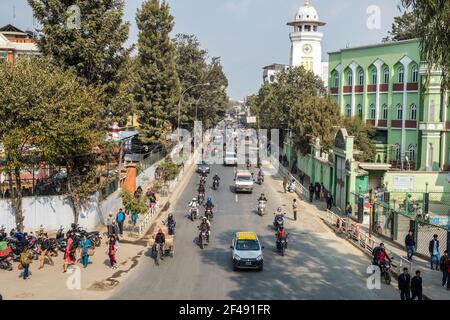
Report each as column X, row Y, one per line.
column 440, row 221
column 251, row 119
column 402, row 183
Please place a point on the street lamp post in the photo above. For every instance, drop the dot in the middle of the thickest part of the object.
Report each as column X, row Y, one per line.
column 181, row 99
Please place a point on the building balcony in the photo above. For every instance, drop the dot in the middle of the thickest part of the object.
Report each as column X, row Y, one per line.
column 334, row 90
column 396, row 164
column 371, row 88
column 396, row 123
column 412, row 86
column 409, row 124
column 347, row 89
column 384, row 87
column 382, row 123
column 359, row 89
column 397, row 87
column 370, row 122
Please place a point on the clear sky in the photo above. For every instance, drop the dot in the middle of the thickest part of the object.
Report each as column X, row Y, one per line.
column 250, row 34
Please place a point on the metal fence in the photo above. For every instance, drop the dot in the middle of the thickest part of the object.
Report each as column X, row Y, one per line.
column 35, row 187
column 425, row 234
column 153, row 157
column 110, row 188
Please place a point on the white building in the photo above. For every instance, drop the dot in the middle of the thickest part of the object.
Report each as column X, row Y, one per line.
column 306, row 42
column 270, row 72
column 15, row 43
column 306, row 46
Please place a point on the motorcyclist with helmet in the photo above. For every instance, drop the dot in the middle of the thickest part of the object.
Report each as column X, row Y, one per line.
column 262, row 197
column 261, row 176
column 278, row 214
column 171, row 222
column 193, row 205
column 205, row 225
column 160, row 240
column 216, row 180
column 380, row 255
column 281, row 235
column 209, row 205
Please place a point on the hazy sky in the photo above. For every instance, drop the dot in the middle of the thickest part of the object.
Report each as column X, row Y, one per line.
column 250, row 34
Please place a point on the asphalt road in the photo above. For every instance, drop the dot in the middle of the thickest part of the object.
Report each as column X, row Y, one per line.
column 317, row 264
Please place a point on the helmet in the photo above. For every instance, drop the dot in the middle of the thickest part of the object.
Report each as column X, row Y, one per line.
column 170, row 215
column 209, row 198
column 194, row 199
column 279, row 209
column 204, row 219
column 262, row 194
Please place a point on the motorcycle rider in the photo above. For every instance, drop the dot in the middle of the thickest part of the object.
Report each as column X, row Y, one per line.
column 209, row 205
column 160, row 240
column 205, row 225
column 262, row 197
column 261, row 175
column 194, row 204
column 380, row 255
column 277, row 214
column 281, row 235
column 216, row 179
column 171, row 221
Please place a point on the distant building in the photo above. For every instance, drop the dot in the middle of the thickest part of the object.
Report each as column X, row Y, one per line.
column 270, row 72
column 15, row 43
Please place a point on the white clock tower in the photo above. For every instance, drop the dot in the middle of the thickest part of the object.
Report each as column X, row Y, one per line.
column 306, row 40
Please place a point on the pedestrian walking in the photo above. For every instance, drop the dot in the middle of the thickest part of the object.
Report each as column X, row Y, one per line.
column 70, row 253
column 410, row 244
column 445, row 268
column 311, row 192
column 404, row 285
column 26, row 258
column 115, row 229
column 416, row 286
column 294, row 208
column 109, row 224
column 329, row 200
column 433, row 248
column 302, row 177
column 322, row 192
column 85, row 244
column 348, row 210
column 285, row 183
column 317, row 190
column 134, row 217
column 113, row 245
column 45, row 253
column 120, row 218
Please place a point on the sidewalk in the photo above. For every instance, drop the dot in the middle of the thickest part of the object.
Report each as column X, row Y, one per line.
column 432, row 279
column 97, row 280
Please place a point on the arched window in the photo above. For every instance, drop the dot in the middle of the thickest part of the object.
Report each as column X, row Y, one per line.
column 350, row 77
column 374, row 76
column 413, row 112
column 412, row 152
column 372, row 111
column 401, row 75
column 385, row 112
column 336, row 80
column 399, row 112
column 348, row 111
column 397, row 152
column 415, row 74
column 386, row 75
column 360, row 111
column 361, row 78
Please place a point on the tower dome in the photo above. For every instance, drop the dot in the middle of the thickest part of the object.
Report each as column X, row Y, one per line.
column 306, row 14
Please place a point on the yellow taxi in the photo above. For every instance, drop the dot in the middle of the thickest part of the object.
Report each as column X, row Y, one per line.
column 247, row 251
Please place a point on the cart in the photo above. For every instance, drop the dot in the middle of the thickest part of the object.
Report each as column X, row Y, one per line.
column 168, row 247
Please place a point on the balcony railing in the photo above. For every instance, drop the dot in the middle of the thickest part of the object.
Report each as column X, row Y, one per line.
column 384, row 87
column 396, row 123
column 334, row 90
column 371, row 88
column 359, row 89
column 382, row 123
column 396, row 164
column 347, row 89
column 371, row 122
column 397, row 87
column 412, row 86
column 410, row 124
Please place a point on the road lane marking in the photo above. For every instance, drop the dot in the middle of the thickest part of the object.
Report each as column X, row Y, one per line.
column 237, row 197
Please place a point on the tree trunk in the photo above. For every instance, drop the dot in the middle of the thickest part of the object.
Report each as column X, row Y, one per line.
column 74, row 199
column 16, row 199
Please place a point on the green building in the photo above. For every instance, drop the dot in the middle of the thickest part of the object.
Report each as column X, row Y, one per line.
column 385, row 85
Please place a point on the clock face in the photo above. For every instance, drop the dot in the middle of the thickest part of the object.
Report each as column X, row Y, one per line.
column 307, row 49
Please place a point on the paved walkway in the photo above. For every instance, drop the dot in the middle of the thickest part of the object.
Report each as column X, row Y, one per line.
column 432, row 279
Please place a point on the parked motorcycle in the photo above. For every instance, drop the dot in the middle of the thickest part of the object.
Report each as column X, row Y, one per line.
column 6, row 263
column 94, row 236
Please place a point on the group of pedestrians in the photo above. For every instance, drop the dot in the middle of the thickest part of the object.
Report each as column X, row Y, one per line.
column 410, row 288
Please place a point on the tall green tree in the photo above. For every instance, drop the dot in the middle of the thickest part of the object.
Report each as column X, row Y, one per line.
column 157, row 91
column 95, row 50
column 403, row 27
column 363, row 134
column 433, row 29
column 56, row 120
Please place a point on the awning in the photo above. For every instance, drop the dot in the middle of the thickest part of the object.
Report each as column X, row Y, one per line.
column 375, row 166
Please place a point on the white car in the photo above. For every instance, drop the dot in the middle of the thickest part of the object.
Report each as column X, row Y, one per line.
column 243, row 181
column 230, row 159
column 247, row 251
